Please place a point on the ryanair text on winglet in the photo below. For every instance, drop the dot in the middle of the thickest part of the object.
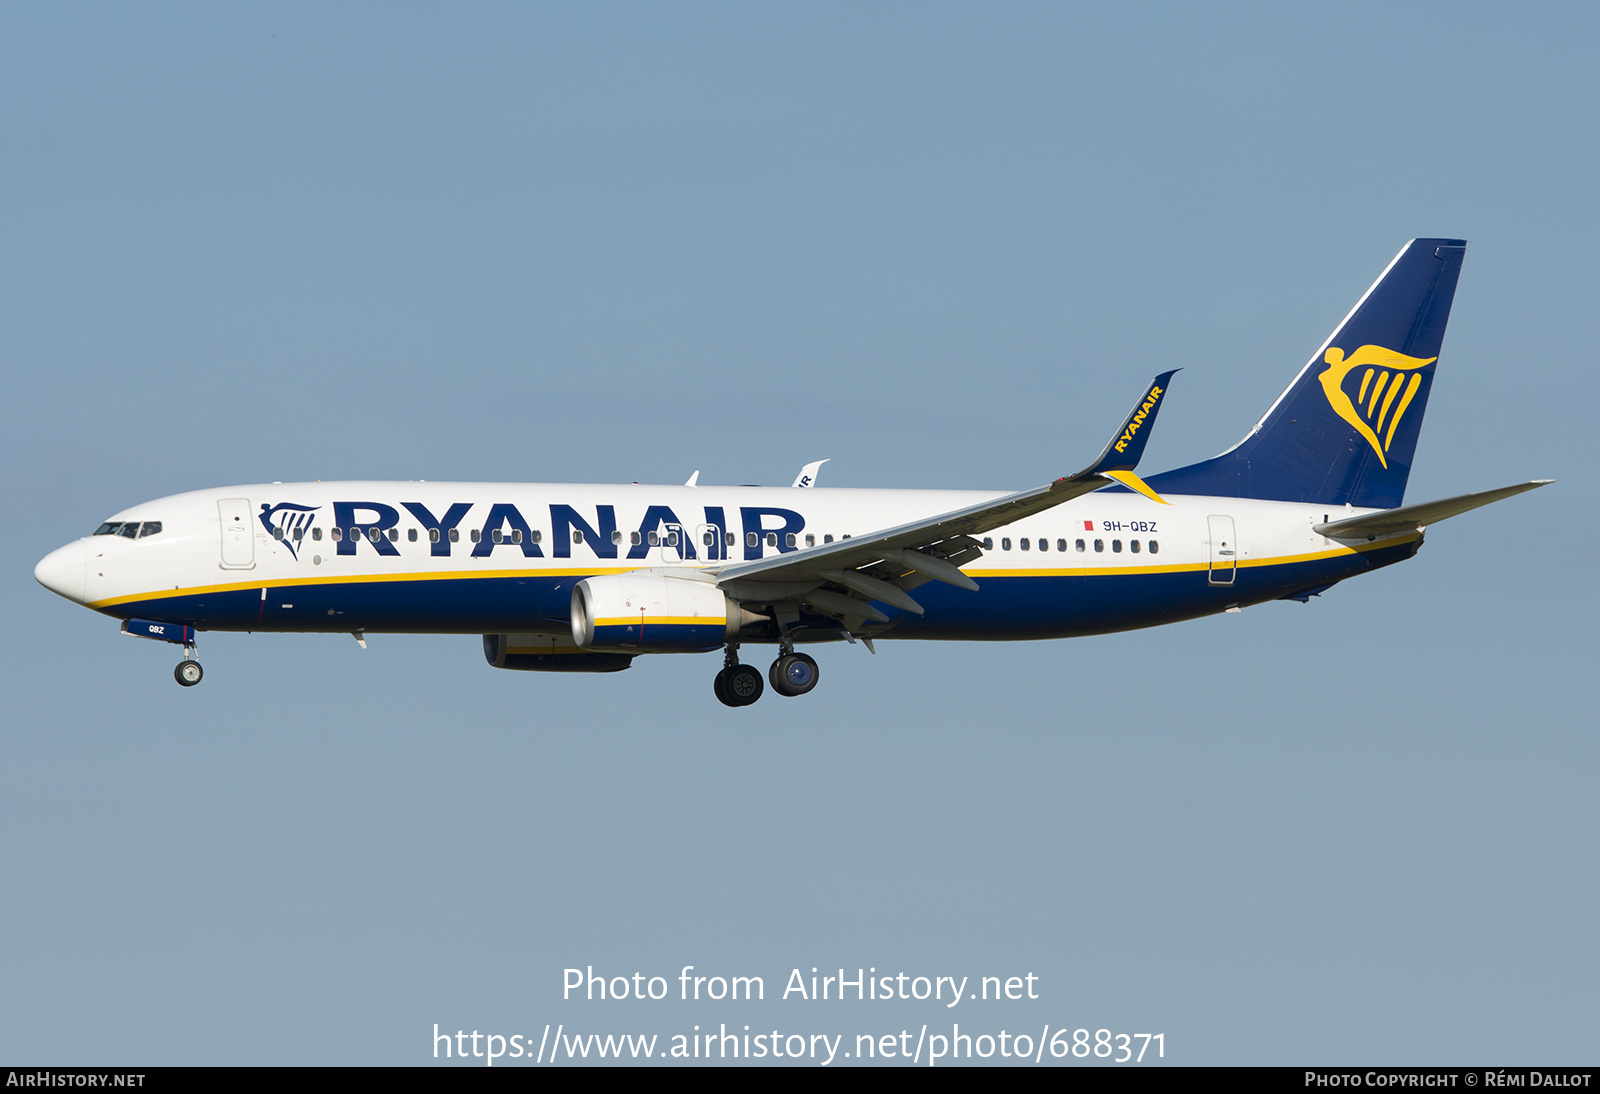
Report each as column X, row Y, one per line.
column 1138, row 418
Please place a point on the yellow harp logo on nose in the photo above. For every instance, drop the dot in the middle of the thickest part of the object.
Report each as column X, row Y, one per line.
column 1379, row 391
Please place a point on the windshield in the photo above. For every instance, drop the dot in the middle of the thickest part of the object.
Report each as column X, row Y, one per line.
column 130, row 529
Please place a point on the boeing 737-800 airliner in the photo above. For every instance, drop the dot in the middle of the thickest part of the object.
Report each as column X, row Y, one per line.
column 583, row 578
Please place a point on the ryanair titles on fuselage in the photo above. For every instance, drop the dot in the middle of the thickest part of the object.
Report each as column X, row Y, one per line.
column 505, row 525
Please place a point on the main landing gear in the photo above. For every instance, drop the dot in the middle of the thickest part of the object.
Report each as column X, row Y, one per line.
column 739, row 685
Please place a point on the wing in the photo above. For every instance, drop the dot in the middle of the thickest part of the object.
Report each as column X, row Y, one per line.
column 884, row 565
column 1409, row 518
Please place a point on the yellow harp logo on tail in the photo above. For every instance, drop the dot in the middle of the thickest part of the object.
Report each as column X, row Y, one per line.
column 1379, row 403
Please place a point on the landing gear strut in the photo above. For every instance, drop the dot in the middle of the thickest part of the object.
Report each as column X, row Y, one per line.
column 737, row 685
column 188, row 672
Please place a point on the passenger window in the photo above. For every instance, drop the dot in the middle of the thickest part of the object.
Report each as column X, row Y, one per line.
column 616, row 537
column 477, row 535
column 1044, row 544
column 577, row 535
column 455, row 535
column 730, row 539
column 1133, row 545
column 153, row 528
column 672, row 539
column 634, row 538
column 1116, row 546
column 772, row 539
column 334, row 534
column 655, row 539
column 1061, row 545
column 988, row 543
column 1024, row 543
column 1154, row 547
column 751, row 539
column 1099, row 545
column 316, row 534
column 846, row 536
column 1078, row 544
column 1005, row 543
column 788, row 540
column 277, row 533
column 433, row 535
column 497, row 535
column 516, row 535
column 394, row 535
column 709, row 539
column 811, row 540
column 537, row 535
column 299, row 533
column 828, row 538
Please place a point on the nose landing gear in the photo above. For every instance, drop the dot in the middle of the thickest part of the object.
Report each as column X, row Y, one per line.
column 188, row 673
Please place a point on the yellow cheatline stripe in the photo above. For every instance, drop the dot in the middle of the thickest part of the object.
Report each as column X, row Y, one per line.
column 1134, row 482
column 457, row 575
column 664, row 621
column 357, row 579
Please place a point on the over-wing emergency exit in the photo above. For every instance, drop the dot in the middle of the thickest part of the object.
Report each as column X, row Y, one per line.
column 584, row 578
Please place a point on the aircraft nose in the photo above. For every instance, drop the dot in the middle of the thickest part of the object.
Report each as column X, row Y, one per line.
column 64, row 571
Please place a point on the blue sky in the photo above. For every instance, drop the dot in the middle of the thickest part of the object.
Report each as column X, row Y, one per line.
column 942, row 245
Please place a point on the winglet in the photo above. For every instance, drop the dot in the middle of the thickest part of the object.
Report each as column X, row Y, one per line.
column 808, row 474
column 1134, row 482
column 1127, row 445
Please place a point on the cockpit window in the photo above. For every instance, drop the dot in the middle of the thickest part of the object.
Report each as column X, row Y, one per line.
column 131, row 529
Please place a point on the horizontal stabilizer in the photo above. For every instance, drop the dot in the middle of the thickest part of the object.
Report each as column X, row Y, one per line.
column 1409, row 518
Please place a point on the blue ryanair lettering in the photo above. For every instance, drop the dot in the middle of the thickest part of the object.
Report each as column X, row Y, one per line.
column 501, row 514
column 344, row 516
column 451, row 519
column 654, row 518
column 564, row 520
column 753, row 517
column 719, row 523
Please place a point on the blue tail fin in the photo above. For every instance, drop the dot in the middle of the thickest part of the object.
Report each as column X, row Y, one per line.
column 1346, row 429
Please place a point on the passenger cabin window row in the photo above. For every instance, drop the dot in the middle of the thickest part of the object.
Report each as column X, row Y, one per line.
column 1043, row 544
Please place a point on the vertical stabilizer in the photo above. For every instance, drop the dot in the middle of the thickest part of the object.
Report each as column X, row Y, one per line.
column 1346, row 429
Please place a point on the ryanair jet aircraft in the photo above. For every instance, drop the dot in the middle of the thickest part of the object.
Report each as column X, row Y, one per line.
column 583, row 578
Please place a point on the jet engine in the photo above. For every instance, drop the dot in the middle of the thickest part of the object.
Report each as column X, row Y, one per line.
column 548, row 653
column 652, row 612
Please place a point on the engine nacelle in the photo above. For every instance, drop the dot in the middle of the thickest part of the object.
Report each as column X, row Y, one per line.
column 653, row 612
column 548, row 653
